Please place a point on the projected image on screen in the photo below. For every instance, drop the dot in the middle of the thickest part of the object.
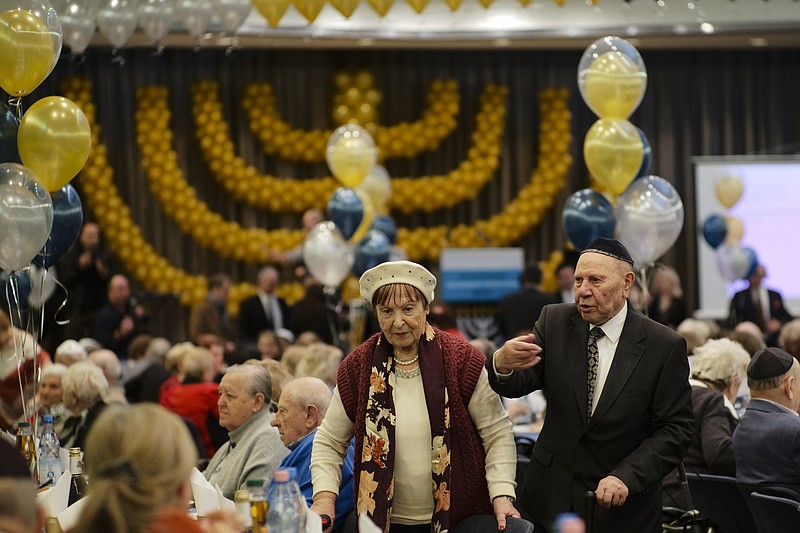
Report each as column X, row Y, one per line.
column 769, row 210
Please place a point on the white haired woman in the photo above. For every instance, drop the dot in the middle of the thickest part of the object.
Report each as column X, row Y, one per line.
column 50, row 400
column 83, row 387
column 718, row 370
column 412, row 392
column 140, row 479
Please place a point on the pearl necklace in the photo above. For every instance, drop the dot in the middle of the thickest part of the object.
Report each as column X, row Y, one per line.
column 408, row 362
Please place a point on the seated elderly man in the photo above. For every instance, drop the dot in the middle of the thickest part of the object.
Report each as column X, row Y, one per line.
column 302, row 407
column 254, row 450
column 83, row 388
column 766, row 442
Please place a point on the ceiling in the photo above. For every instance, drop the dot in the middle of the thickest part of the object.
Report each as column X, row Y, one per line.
column 506, row 23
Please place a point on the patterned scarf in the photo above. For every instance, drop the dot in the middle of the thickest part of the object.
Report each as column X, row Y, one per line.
column 375, row 488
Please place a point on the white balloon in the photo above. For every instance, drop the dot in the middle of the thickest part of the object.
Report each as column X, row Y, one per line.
column 116, row 20
column 650, row 218
column 232, row 13
column 327, row 254
column 195, row 15
column 735, row 262
column 78, row 22
column 156, row 17
column 43, row 285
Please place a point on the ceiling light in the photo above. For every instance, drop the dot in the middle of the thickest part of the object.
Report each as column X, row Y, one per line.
column 502, row 42
column 758, row 41
column 707, row 28
column 680, row 29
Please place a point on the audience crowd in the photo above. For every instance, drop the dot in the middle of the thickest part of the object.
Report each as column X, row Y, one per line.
column 247, row 393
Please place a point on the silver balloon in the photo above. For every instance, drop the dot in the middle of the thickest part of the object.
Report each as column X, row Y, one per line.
column 231, row 13
column 116, row 20
column 26, row 216
column 78, row 22
column 327, row 255
column 156, row 17
column 195, row 15
column 735, row 262
column 650, row 218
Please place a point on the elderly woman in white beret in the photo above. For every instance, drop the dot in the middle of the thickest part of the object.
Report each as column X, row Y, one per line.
column 434, row 446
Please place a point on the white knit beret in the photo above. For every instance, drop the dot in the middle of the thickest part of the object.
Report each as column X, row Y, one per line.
column 397, row 272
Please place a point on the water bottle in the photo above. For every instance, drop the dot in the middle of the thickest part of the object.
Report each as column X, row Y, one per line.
column 285, row 513
column 49, row 454
column 301, row 499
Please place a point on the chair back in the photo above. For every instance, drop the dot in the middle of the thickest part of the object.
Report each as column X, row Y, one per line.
column 718, row 498
column 777, row 514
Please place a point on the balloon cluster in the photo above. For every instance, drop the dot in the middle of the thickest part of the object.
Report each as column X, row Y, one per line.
column 648, row 215
column 724, row 233
column 353, row 239
column 356, row 101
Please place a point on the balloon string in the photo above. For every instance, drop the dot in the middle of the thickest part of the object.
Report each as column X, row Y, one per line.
column 65, row 321
column 19, row 345
column 16, row 103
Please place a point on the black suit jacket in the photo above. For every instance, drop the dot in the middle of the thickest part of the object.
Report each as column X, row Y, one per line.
column 639, row 432
column 743, row 309
column 253, row 320
column 519, row 310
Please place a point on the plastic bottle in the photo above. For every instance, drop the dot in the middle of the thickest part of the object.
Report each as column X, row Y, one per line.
column 285, row 513
column 26, row 445
column 78, row 486
column 49, row 454
column 258, row 504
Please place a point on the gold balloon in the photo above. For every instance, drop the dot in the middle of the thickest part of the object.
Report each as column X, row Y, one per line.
column 350, row 154
column 735, row 230
column 614, row 85
column 345, row 7
column 381, row 7
column 453, row 4
column 729, row 189
column 272, row 10
column 27, row 51
column 309, row 8
column 54, row 140
column 613, row 151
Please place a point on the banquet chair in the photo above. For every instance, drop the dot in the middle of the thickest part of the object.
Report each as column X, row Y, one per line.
column 776, row 514
column 718, row 498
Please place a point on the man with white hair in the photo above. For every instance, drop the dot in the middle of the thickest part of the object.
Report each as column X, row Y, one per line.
column 254, row 450
column 70, row 352
column 303, row 404
column 109, row 363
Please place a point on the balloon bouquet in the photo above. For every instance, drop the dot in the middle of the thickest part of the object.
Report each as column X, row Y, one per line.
column 358, row 234
column 724, row 233
column 644, row 211
column 41, row 150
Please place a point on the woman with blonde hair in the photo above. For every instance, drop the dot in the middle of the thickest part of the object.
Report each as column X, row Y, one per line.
column 140, row 479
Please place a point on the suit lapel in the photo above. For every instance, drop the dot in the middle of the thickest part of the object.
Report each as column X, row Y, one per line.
column 629, row 351
column 577, row 337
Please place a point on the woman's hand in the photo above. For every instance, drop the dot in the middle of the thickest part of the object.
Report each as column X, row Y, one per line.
column 503, row 508
column 324, row 504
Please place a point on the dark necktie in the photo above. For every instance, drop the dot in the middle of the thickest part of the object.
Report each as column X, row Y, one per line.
column 759, row 309
column 592, row 359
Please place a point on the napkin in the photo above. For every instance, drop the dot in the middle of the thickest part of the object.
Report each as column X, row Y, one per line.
column 313, row 521
column 54, row 500
column 69, row 517
column 366, row 525
column 207, row 498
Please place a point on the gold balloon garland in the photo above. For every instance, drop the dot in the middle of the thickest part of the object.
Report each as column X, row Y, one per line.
column 279, row 138
column 157, row 274
column 408, row 194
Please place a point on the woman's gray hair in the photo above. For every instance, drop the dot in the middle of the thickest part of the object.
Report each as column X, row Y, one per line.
column 721, row 361
column 56, row 369
column 86, row 380
column 258, row 379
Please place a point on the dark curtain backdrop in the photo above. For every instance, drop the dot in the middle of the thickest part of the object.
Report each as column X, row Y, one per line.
column 697, row 103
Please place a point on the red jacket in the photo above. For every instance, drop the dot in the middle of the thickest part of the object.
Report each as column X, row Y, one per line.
column 196, row 402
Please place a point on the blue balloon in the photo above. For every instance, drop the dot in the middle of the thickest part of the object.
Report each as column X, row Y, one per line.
column 346, row 210
column 647, row 156
column 371, row 251
column 19, row 281
column 67, row 222
column 587, row 215
column 715, row 228
column 9, row 124
column 752, row 259
column 386, row 225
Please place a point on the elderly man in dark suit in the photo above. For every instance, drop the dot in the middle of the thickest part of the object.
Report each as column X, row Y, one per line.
column 764, row 307
column 619, row 410
column 766, row 442
column 264, row 310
